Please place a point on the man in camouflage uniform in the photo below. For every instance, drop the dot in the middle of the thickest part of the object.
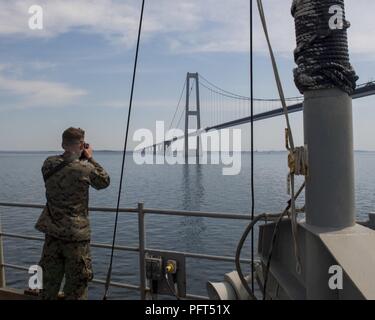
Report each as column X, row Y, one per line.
column 65, row 219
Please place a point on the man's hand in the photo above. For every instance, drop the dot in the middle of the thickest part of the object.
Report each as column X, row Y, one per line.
column 87, row 153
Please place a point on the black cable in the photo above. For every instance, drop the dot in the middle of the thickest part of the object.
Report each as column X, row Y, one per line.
column 170, row 287
column 273, row 241
column 238, row 254
column 252, row 142
column 108, row 279
column 244, row 236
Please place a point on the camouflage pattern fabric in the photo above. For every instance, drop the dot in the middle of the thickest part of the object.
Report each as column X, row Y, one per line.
column 73, row 259
column 65, row 222
column 67, row 193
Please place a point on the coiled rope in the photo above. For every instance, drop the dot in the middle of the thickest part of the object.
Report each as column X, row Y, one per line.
column 322, row 54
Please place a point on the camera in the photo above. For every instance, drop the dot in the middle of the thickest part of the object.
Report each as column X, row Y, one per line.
column 85, row 146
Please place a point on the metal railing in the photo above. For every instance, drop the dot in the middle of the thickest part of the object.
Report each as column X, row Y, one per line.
column 141, row 249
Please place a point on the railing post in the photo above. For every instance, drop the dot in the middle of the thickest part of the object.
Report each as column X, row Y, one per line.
column 2, row 268
column 141, row 232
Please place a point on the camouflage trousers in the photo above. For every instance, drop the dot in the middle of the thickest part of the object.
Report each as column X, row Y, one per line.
column 72, row 259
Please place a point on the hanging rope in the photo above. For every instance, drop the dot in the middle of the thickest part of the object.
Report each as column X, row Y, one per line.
column 252, row 141
column 254, row 219
column 291, row 149
column 109, row 273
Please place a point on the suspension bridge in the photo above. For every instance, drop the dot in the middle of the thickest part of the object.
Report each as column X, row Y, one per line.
column 222, row 109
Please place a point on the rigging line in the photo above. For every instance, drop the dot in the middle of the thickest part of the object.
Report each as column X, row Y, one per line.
column 289, row 131
column 178, row 105
column 276, row 72
column 252, row 141
column 108, row 279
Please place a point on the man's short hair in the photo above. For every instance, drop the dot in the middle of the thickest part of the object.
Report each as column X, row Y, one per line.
column 73, row 135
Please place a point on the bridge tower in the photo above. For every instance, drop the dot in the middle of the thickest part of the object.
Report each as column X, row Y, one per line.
column 189, row 111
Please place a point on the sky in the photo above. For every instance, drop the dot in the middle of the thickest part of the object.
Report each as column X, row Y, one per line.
column 77, row 71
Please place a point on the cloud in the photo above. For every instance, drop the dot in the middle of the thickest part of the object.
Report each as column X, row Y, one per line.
column 183, row 25
column 111, row 19
column 3, row 67
column 32, row 93
column 41, row 65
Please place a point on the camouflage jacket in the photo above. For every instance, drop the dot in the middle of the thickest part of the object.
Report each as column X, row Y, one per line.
column 67, row 193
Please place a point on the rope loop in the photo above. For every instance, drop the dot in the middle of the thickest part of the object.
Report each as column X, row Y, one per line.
column 298, row 162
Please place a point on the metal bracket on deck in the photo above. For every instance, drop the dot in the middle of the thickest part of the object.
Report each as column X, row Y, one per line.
column 166, row 273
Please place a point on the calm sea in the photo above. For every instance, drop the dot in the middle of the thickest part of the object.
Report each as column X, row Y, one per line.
column 187, row 187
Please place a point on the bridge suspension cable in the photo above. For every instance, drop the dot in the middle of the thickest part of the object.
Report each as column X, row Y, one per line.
column 178, row 105
column 222, row 106
column 183, row 110
column 214, row 88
